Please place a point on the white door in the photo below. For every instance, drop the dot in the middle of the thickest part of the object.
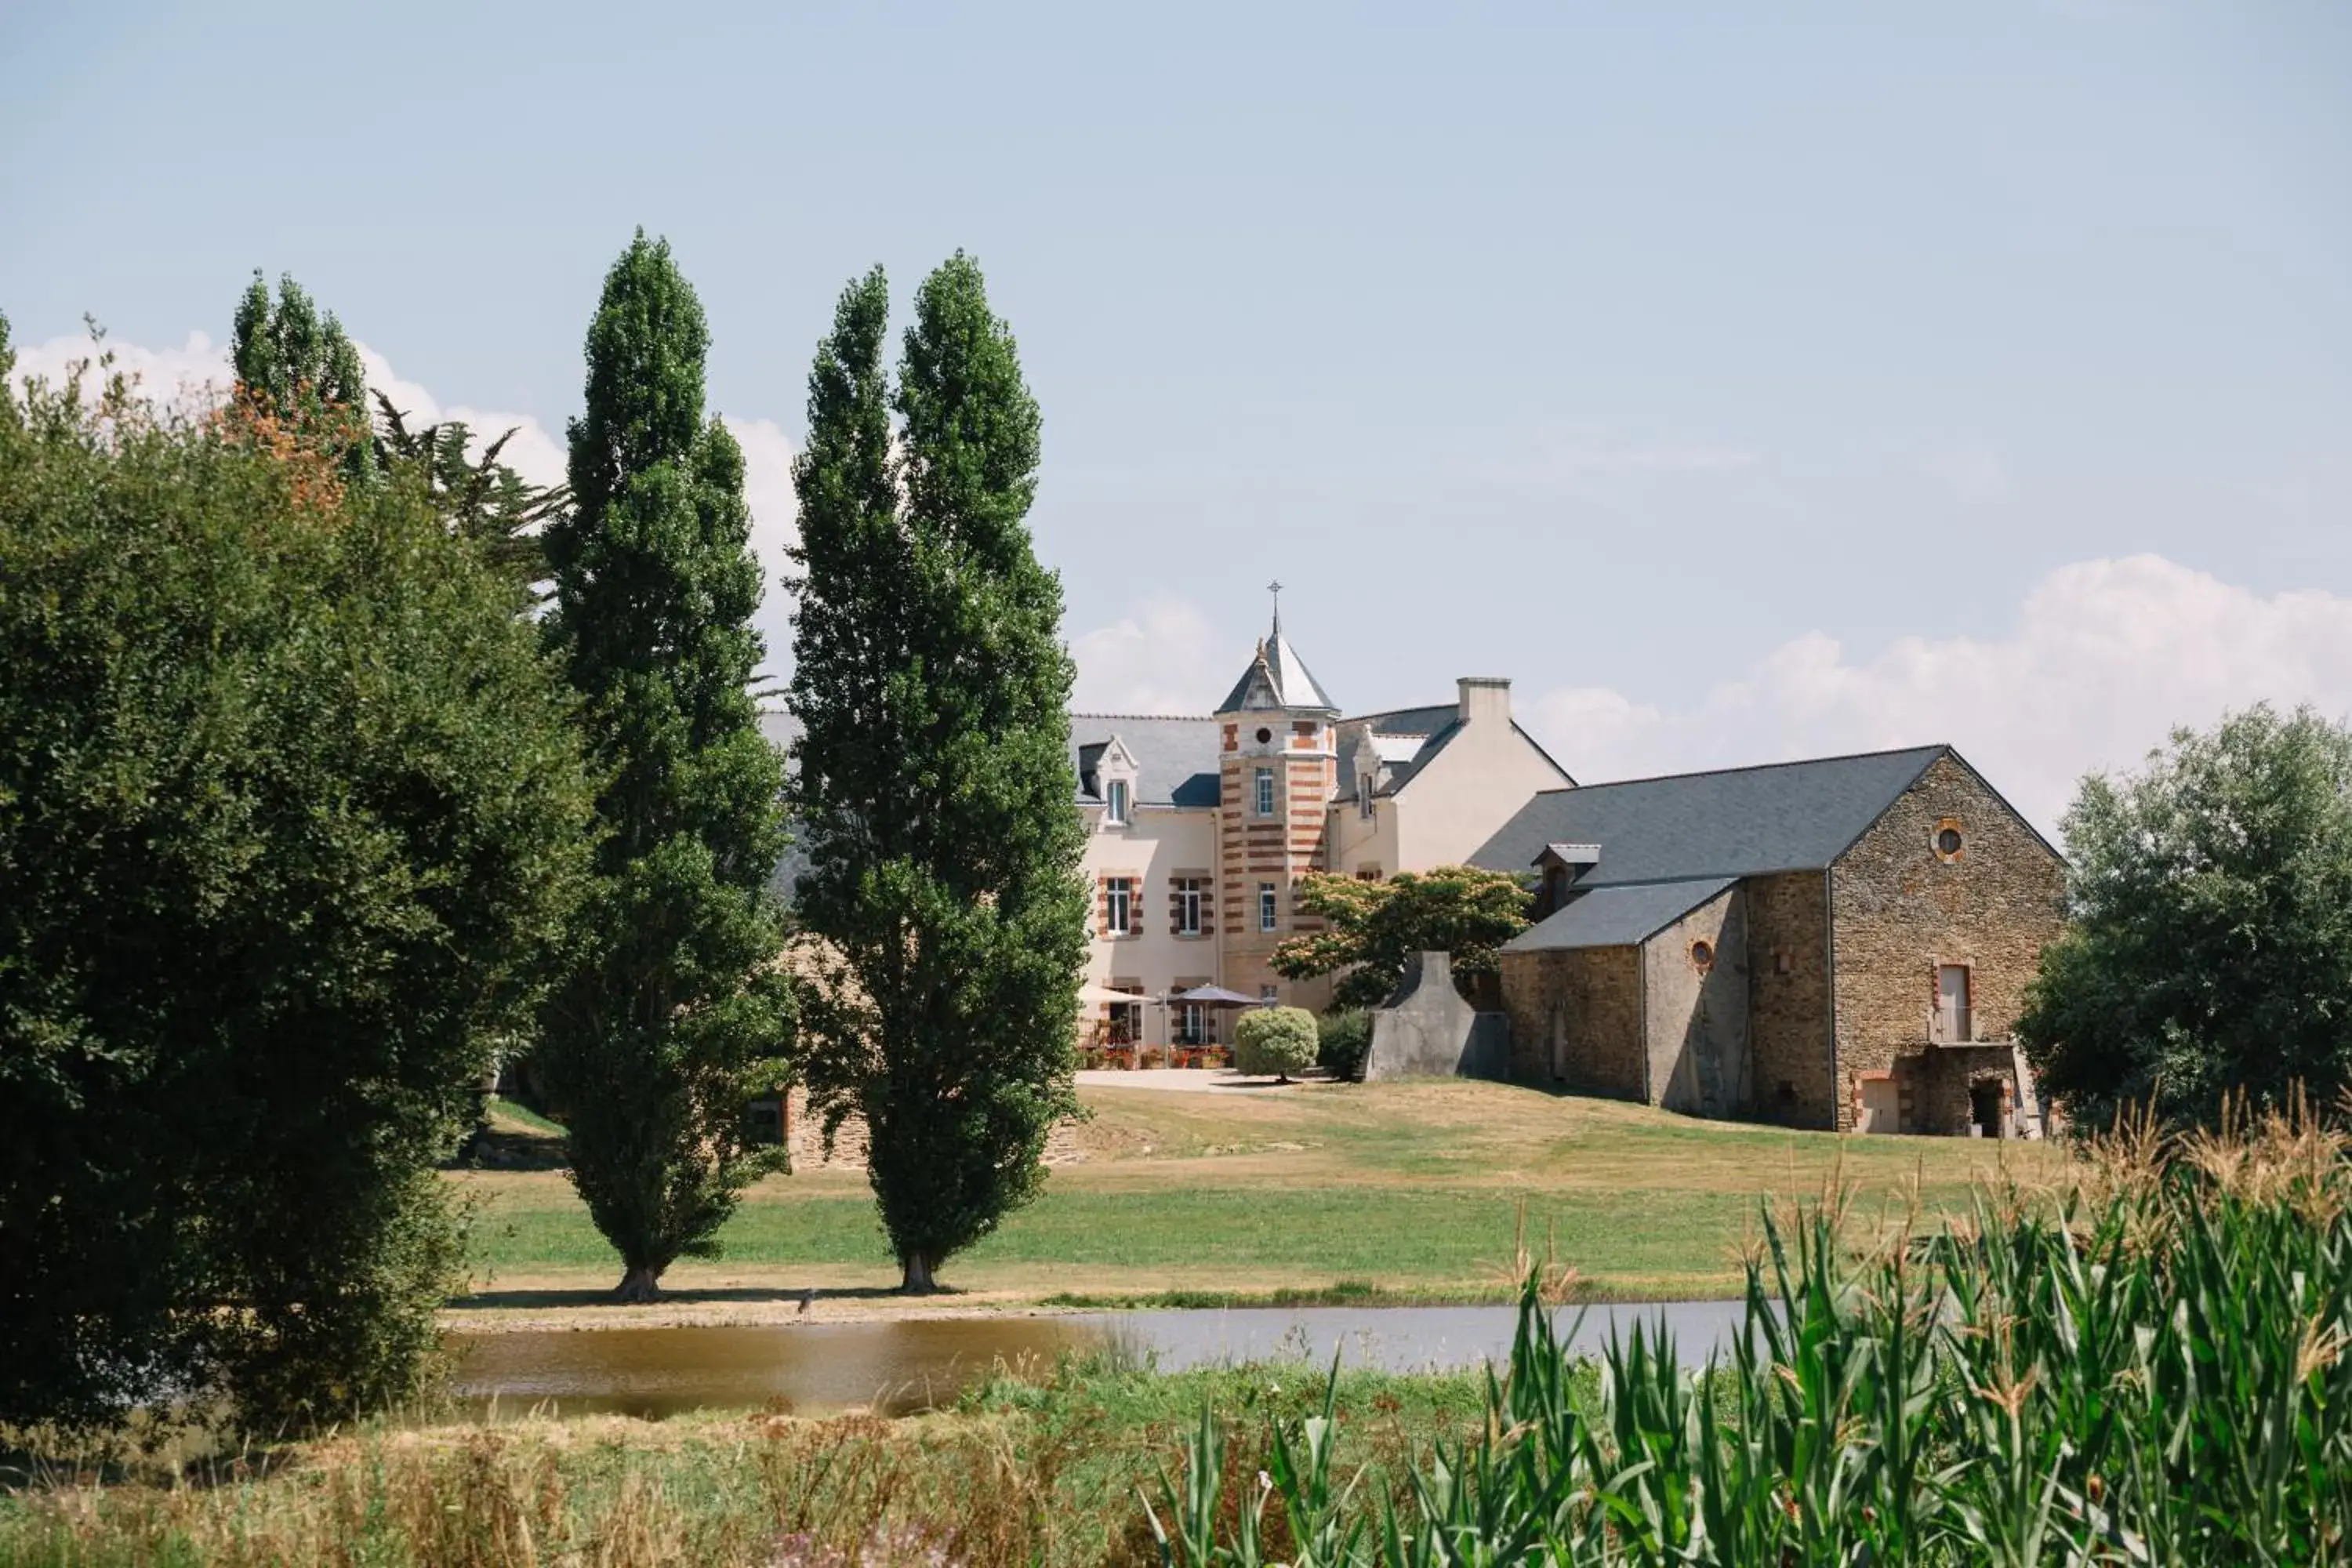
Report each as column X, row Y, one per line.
column 1952, row 1003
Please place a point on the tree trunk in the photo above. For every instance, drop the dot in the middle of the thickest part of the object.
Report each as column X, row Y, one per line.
column 639, row 1283
column 917, row 1280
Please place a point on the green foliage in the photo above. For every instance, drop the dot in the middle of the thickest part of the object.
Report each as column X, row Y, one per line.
column 1343, row 1038
column 303, row 373
column 2210, row 947
column 480, row 499
column 1277, row 1041
column 932, row 776
column 2156, row 1373
column 1373, row 929
column 291, row 816
column 676, row 1009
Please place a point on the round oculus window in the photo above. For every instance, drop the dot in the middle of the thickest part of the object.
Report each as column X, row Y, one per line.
column 1948, row 842
column 1703, row 955
column 1264, row 736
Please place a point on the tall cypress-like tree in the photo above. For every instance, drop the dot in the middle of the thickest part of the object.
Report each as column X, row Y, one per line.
column 677, row 1009
column 932, row 776
column 304, row 370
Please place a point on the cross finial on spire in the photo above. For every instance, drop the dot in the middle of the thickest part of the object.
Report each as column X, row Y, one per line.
column 1275, row 588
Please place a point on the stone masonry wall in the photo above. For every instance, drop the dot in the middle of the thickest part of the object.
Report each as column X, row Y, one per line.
column 1899, row 909
column 1789, row 1077
column 1697, row 1014
column 1588, row 1001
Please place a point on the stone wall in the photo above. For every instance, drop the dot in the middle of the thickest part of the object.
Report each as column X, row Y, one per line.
column 1900, row 909
column 1576, row 1018
column 1789, row 1072
column 1427, row 1029
column 1697, row 1011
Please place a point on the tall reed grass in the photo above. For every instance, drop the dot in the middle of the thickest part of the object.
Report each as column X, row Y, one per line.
column 2151, row 1368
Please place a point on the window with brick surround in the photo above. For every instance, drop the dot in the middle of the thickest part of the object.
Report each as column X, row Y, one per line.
column 1265, row 801
column 1118, row 906
column 1267, row 913
column 1192, row 898
column 1949, row 841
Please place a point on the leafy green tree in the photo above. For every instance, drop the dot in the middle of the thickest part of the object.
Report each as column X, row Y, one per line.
column 676, row 1008
column 2209, row 946
column 1371, row 930
column 932, row 778
column 481, row 499
column 1277, row 1041
column 302, row 370
column 292, row 815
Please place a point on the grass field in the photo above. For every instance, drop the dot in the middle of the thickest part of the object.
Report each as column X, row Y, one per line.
column 1418, row 1190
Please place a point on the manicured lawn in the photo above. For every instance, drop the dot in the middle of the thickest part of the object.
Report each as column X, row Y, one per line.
column 1421, row 1189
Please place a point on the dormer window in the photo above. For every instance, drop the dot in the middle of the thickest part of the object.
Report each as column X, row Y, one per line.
column 1364, row 794
column 1115, row 803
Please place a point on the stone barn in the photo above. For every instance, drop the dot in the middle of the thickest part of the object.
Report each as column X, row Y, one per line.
column 1842, row 943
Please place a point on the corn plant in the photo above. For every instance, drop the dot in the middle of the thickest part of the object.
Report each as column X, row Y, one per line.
column 2151, row 1368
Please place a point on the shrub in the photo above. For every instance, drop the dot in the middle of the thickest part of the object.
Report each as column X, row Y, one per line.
column 292, row 818
column 1346, row 1038
column 1277, row 1041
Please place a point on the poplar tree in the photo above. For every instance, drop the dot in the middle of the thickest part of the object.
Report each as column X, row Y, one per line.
column 304, row 371
column 932, row 778
column 676, row 1010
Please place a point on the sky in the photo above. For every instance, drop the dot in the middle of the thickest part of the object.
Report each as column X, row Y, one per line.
column 1742, row 386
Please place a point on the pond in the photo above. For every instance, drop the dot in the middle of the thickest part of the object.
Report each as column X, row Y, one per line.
column 903, row 1365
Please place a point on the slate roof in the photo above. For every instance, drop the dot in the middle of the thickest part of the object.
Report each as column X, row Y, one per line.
column 1277, row 678
column 1617, row 917
column 1175, row 759
column 1415, row 736
column 1737, row 821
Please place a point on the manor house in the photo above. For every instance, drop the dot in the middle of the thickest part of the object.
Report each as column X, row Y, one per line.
column 1200, row 830
column 1838, row 943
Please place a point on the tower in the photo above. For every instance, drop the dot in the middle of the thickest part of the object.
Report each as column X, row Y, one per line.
column 1278, row 768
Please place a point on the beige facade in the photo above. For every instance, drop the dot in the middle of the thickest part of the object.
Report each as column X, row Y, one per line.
column 1228, row 813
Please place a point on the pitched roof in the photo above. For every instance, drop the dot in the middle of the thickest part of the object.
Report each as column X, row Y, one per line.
column 1277, row 679
column 1736, row 822
column 1617, row 917
column 1408, row 739
column 1175, row 759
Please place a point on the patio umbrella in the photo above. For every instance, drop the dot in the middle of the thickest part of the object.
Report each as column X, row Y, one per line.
column 1215, row 996
column 1093, row 996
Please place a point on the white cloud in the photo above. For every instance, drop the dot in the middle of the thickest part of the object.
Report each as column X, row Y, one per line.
column 2105, row 656
column 2103, row 660
column 1163, row 657
column 198, row 370
column 775, row 519
column 534, row 452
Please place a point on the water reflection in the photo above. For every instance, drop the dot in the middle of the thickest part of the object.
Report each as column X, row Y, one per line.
column 906, row 1365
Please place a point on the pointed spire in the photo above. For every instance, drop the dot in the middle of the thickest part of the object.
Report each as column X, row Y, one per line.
column 1278, row 678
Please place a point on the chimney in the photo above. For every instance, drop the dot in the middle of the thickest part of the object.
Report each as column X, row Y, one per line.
column 1484, row 698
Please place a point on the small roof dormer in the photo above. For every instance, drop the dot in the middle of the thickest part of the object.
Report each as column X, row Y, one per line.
column 1277, row 680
